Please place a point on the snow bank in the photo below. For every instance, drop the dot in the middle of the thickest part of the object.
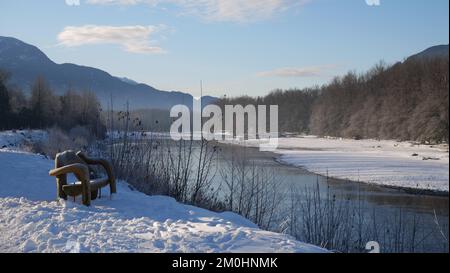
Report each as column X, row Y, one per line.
column 31, row 221
column 12, row 140
column 389, row 163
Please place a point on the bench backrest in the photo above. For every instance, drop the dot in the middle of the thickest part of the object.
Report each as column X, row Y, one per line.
column 68, row 158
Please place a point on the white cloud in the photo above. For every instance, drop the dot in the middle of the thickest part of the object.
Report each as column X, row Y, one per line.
column 373, row 2
column 236, row 10
column 135, row 39
column 72, row 2
column 218, row 10
column 312, row 71
column 116, row 2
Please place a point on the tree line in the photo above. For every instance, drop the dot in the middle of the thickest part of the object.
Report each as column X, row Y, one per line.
column 43, row 108
column 404, row 101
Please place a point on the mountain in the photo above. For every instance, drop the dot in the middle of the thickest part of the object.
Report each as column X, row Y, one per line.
column 26, row 62
column 130, row 81
column 440, row 51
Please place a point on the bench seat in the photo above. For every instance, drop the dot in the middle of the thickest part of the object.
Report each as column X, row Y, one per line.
column 76, row 189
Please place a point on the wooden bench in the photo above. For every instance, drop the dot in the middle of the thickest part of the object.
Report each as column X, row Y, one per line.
column 78, row 164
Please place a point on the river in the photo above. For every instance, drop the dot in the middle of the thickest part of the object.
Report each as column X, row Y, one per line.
column 429, row 211
column 398, row 220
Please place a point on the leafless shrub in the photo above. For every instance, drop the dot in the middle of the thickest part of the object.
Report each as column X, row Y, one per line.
column 318, row 217
column 58, row 141
column 155, row 164
column 251, row 190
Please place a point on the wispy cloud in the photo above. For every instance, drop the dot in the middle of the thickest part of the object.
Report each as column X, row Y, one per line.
column 237, row 10
column 72, row 2
column 117, row 2
column 135, row 39
column 218, row 10
column 373, row 2
column 297, row 72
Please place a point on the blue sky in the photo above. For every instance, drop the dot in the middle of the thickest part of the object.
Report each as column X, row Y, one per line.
column 235, row 46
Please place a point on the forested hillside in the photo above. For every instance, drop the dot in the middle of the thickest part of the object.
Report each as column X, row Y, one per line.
column 408, row 101
column 43, row 108
column 405, row 101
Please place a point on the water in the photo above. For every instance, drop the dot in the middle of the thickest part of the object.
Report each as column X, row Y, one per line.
column 387, row 202
column 395, row 207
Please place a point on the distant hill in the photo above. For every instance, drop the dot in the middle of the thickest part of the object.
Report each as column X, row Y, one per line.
column 440, row 51
column 26, row 62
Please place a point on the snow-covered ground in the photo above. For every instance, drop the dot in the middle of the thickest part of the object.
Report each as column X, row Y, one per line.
column 31, row 220
column 389, row 163
column 13, row 140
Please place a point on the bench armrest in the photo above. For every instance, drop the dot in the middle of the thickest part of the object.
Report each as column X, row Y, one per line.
column 79, row 170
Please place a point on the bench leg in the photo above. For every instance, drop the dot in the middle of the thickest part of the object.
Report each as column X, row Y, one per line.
column 94, row 194
column 60, row 182
column 86, row 186
column 113, row 186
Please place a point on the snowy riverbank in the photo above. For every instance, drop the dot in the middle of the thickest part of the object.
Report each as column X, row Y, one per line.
column 388, row 163
column 31, row 220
